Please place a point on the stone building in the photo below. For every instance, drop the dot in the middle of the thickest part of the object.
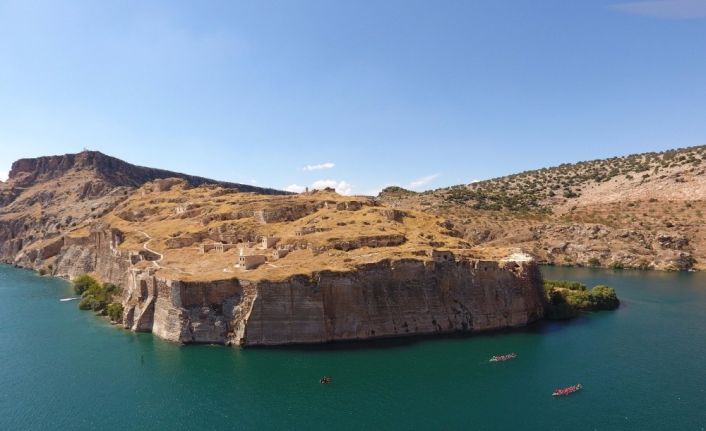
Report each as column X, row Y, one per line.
column 279, row 253
column 269, row 241
column 250, row 261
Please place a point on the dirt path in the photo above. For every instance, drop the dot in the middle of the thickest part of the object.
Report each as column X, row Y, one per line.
column 161, row 256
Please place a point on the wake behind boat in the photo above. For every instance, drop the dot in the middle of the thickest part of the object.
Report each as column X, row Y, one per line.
column 502, row 358
column 566, row 391
column 68, row 299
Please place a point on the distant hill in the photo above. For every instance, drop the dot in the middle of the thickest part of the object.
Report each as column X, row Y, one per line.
column 25, row 172
column 543, row 189
column 631, row 202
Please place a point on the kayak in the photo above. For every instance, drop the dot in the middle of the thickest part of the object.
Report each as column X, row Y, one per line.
column 501, row 358
column 566, row 391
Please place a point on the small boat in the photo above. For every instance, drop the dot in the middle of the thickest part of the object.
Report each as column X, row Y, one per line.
column 325, row 380
column 69, row 299
column 566, row 391
column 502, row 358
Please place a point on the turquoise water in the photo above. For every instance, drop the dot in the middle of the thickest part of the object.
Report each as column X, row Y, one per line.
column 643, row 368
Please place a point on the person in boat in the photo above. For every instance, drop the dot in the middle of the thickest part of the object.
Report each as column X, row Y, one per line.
column 325, row 380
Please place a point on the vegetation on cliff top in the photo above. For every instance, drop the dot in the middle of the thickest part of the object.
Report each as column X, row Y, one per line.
column 98, row 297
column 567, row 299
column 535, row 190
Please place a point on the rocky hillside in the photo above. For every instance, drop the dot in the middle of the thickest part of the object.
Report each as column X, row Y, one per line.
column 47, row 196
column 639, row 211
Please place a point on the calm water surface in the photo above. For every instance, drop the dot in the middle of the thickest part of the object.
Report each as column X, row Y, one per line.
column 643, row 368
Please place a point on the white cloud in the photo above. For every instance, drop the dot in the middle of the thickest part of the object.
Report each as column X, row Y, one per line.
column 342, row 187
column 3, row 175
column 672, row 9
column 295, row 188
column 422, row 181
column 320, row 166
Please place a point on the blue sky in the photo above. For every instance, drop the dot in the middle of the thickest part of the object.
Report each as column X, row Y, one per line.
column 360, row 94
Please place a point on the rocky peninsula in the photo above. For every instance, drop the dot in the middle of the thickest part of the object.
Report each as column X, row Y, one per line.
column 201, row 261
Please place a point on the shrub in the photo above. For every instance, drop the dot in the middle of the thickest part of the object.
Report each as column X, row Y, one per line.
column 115, row 311
column 84, row 282
column 566, row 299
column 86, row 303
column 564, row 284
column 604, row 298
column 95, row 296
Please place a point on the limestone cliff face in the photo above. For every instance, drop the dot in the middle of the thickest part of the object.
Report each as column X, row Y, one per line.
column 384, row 299
column 395, row 298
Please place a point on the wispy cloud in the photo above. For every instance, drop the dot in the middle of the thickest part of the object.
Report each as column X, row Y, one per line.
column 3, row 175
column 422, row 181
column 670, row 9
column 320, row 166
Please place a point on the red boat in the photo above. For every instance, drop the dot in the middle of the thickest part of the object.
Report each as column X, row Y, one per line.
column 502, row 358
column 566, row 391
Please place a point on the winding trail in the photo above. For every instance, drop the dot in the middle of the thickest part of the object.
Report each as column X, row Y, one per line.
column 161, row 256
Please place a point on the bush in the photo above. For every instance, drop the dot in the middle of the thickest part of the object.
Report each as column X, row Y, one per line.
column 84, row 282
column 567, row 299
column 115, row 312
column 564, row 284
column 604, row 298
column 95, row 296
column 86, row 303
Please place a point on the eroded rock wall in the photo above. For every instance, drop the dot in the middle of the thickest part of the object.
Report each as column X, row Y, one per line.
column 395, row 298
column 384, row 299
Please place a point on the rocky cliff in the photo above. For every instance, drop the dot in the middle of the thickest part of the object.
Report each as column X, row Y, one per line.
column 384, row 299
column 330, row 268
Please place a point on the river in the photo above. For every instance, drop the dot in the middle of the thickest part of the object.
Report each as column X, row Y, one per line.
column 643, row 367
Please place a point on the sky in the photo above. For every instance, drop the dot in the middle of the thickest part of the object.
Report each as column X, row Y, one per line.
column 358, row 95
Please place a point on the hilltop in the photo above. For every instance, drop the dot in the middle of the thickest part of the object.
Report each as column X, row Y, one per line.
column 642, row 211
column 52, row 198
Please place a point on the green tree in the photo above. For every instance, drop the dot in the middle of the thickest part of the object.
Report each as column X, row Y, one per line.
column 83, row 283
column 115, row 312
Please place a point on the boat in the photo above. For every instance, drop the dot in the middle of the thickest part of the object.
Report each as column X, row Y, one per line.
column 567, row 390
column 325, row 380
column 68, row 299
column 502, row 358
